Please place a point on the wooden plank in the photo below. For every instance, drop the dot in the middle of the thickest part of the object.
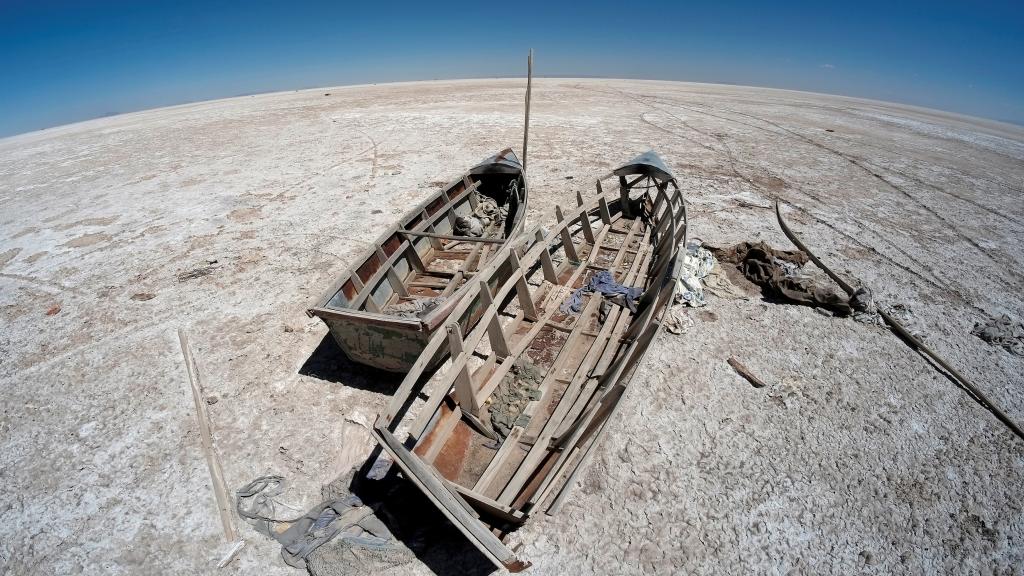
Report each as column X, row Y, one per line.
column 567, row 244
column 499, row 343
column 523, row 289
column 640, row 348
column 489, row 475
column 377, row 276
column 464, row 389
column 624, row 204
column 545, row 260
column 524, row 343
column 396, row 283
column 442, row 386
column 487, row 505
column 451, row 237
column 447, row 425
column 606, row 215
column 588, row 231
column 220, row 490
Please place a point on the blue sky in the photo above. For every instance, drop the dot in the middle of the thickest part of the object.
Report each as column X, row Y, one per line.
column 68, row 61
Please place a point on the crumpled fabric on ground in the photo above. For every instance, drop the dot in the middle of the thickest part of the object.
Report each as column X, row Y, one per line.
column 677, row 321
column 1002, row 331
column 718, row 284
column 781, row 273
column 604, row 283
column 342, row 517
column 414, row 308
column 693, row 265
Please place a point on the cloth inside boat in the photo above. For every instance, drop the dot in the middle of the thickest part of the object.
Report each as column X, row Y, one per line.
column 510, row 397
column 486, row 213
column 604, row 283
column 414, row 308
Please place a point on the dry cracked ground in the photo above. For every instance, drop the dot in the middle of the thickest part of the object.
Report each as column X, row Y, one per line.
column 228, row 218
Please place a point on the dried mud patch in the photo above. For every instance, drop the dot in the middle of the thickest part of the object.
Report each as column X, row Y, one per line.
column 243, row 215
column 7, row 256
column 88, row 240
column 88, row 222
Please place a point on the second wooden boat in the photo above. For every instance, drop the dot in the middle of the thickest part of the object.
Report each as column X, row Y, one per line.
column 383, row 310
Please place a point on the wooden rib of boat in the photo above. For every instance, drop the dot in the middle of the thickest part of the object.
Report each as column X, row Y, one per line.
column 572, row 367
column 383, row 310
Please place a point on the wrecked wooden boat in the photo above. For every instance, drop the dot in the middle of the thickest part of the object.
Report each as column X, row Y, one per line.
column 382, row 311
column 523, row 397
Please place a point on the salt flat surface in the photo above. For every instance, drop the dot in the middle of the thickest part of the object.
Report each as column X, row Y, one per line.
column 229, row 218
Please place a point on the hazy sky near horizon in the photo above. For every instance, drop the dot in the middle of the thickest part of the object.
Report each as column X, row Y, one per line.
column 64, row 62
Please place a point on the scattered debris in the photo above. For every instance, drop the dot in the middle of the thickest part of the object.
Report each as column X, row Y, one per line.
column 199, row 271
column 745, row 373
column 677, row 321
column 1002, row 331
column 232, row 553
column 414, row 308
column 143, row 296
column 694, row 264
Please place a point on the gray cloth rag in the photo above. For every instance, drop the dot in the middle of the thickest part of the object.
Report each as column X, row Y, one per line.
column 1002, row 331
column 604, row 283
column 342, row 517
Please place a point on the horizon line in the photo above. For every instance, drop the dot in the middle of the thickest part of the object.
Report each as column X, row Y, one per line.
column 1019, row 125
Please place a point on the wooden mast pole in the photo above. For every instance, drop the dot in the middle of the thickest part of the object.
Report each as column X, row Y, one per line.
column 529, row 84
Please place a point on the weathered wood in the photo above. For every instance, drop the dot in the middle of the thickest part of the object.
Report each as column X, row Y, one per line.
column 487, row 505
column 499, row 343
column 606, row 215
column 523, row 289
column 396, row 283
column 465, row 394
column 545, row 260
column 745, row 373
column 451, row 237
column 220, row 489
column 529, row 89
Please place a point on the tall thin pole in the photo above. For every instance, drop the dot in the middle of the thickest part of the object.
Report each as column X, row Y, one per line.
column 529, row 85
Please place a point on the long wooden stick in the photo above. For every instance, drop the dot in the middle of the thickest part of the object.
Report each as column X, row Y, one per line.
column 220, row 489
column 906, row 336
column 529, row 87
